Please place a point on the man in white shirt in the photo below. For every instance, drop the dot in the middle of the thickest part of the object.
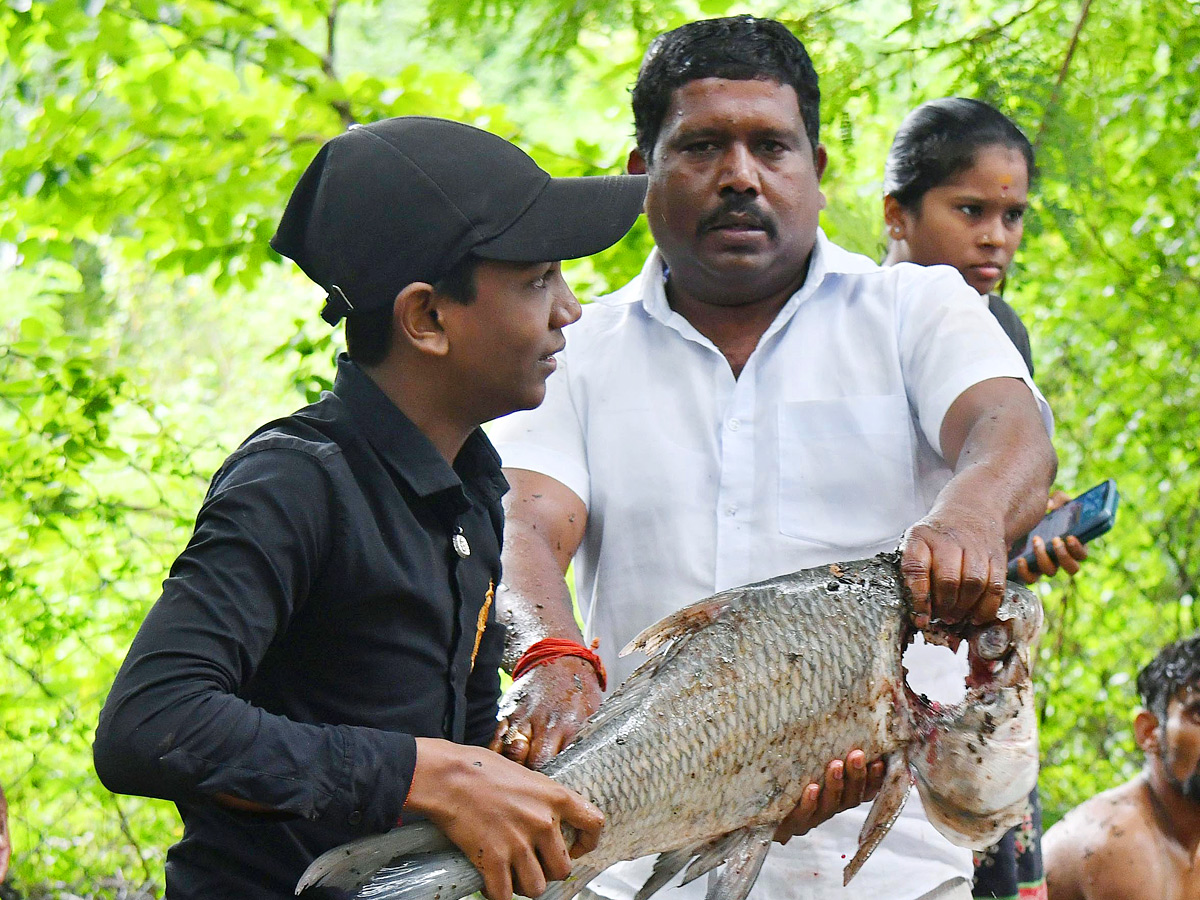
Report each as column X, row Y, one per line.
column 758, row 401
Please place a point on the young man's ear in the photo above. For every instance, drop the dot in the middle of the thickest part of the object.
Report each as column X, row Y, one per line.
column 416, row 319
column 1145, row 731
column 636, row 164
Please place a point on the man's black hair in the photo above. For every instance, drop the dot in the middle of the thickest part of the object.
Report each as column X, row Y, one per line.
column 941, row 138
column 1177, row 666
column 369, row 334
column 738, row 48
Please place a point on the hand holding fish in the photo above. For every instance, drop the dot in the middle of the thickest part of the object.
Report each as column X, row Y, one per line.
column 847, row 784
column 953, row 562
column 519, row 844
column 542, row 711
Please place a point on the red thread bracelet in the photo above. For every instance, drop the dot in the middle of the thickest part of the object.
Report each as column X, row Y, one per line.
column 547, row 650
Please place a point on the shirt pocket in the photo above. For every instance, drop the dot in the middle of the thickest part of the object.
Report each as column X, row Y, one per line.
column 846, row 471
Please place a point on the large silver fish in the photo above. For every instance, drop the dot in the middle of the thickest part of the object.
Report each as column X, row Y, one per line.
column 745, row 698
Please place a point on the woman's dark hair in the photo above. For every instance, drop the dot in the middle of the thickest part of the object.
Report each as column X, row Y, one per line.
column 1177, row 666
column 939, row 139
column 739, row 48
column 369, row 334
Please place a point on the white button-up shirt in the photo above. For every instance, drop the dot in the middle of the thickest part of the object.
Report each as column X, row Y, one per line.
column 825, row 448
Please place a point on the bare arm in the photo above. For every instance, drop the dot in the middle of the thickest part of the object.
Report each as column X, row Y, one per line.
column 955, row 558
column 504, row 817
column 544, row 525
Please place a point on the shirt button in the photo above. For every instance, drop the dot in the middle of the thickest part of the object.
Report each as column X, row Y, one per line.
column 735, row 424
column 731, row 510
column 354, row 818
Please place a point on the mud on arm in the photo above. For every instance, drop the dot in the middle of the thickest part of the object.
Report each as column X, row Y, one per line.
column 544, row 525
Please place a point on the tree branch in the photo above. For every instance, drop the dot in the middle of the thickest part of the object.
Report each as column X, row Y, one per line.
column 341, row 106
column 31, row 675
column 991, row 31
column 1062, row 73
column 128, row 832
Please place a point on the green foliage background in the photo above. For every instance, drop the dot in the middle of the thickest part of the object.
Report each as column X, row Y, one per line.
column 147, row 150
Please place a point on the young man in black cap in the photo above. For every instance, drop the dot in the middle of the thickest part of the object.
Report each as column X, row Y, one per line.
column 325, row 650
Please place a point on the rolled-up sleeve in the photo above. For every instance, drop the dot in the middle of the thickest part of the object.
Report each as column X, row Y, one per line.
column 177, row 724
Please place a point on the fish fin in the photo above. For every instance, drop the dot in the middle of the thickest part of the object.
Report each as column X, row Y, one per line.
column 666, row 867
column 704, row 858
column 569, row 886
column 897, row 782
column 684, row 622
column 743, row 865
column 712, row 854
column 446, row 874
column 352, row 865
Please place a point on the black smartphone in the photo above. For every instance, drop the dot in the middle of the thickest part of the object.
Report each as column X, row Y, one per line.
column 1087, row 516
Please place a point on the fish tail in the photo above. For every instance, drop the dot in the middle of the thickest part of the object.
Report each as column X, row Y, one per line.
column 416, row 862
column 352, row 865
column 450, row 876
column 447, row 875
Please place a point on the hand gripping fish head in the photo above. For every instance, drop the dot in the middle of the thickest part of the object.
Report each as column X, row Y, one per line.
column 743, row 700
column 975, row 769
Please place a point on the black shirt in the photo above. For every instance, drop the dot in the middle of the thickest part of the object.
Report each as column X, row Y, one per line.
column 319, row 620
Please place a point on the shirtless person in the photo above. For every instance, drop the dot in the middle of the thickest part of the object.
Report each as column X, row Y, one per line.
column 1139, row 841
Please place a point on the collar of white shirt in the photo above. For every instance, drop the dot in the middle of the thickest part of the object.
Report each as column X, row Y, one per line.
column 649, row 288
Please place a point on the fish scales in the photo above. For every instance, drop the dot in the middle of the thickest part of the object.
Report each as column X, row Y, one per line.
column 744, row 699
column 765, row 727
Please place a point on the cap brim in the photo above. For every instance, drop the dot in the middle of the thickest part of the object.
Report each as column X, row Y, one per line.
column 571, row 218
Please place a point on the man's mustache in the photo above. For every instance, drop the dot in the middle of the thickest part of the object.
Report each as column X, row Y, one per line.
column 738, row 209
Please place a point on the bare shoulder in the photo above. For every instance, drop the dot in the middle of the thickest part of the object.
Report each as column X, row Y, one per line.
column 1105, row 849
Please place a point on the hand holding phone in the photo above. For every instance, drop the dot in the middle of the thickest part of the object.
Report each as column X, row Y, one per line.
column 1086, row 517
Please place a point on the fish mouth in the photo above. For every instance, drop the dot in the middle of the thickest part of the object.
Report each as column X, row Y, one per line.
column 997, row 653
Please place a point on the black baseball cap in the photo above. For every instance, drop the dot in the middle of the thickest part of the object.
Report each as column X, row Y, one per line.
column 407, row 199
